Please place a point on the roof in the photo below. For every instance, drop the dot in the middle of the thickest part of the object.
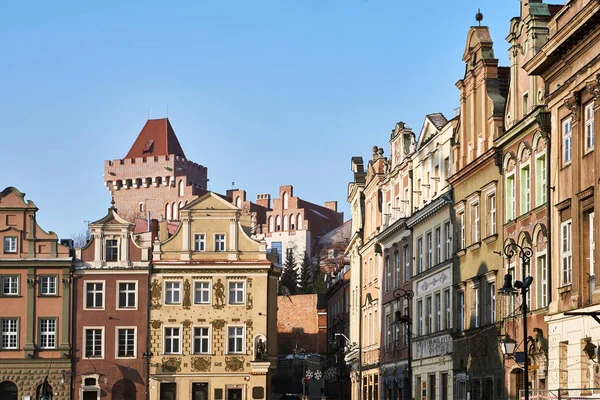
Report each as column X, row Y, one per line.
column 157, row 138
column 341, row 234
column 438, row 120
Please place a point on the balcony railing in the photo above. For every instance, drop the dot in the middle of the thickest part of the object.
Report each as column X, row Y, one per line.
column 370, row 356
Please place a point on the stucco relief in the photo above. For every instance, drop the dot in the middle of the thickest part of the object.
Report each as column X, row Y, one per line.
column 218, row 323
column 572, row 102
column 156, row 292
column 593, row 87
column 219, row 296
column 156, row 324
column 187, row 323
column 234, row 364
column 187, row 297
column 433, row 282
column 171, row 364
column 201, row 364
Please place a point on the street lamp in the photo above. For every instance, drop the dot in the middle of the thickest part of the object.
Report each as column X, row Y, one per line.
column 508, row 345
column 406, row 294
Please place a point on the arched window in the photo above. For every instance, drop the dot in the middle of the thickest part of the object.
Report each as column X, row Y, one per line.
column 168, row 211
column 299, row 224
column 285, row 222
column 8, row 391
column 44, row 391
column 123, row 389
column 238, row 202
column 292, row 222
column 271, row 225
column 277, row 223
column 175, row 211
column 285, row 200
column 181, row 188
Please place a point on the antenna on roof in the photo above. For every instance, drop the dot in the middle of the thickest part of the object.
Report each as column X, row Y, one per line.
column 232, row 185
column 479, row 16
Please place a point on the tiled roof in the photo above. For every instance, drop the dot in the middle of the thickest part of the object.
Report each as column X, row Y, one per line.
column 157, row 138
column 341, row 234
column 438, row 120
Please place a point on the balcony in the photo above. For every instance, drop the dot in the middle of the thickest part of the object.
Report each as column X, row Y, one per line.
column 394, row 352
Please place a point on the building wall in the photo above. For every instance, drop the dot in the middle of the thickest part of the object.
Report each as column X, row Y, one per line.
column 298, row 324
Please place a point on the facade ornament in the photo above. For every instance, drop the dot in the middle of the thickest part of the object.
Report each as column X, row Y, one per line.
column 187, row 323
column 234, row 364
column 187, row 302
column 156, row 293
column 593, row 87
column 201, row 364
column 572, row 102
column 261, row 349
column 66, row 282
column 31, row 282
column 156, row 323
column 249, row 323
column 218, row 323
column 171, row 364
column 219, row 289
column 249, row 301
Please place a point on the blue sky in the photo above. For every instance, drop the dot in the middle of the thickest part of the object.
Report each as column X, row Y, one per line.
column 263, row 93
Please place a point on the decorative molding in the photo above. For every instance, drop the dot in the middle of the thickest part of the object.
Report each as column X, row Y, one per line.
column 593, row 87
column 187, row 298
column 220, row 271
column 156, row 295
column 156, row 324
column 171, row 364
column 234, row 364
column 218, row 323
column 219, row 295
column 572, row 102
column 201, row 364
column 187, row 323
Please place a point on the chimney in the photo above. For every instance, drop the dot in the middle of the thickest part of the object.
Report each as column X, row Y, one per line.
column 332, row 205
column 286, row 188
column 264, row 200
column 154, row 229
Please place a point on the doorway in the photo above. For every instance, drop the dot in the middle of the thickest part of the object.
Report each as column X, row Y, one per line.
column 234, row 394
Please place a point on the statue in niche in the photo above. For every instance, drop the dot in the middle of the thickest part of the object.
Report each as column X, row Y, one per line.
column 219, row 293
column 261, row 350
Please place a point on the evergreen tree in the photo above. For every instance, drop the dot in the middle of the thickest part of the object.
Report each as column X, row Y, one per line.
column 305, row 286
column 318, row 282
column 289, row 276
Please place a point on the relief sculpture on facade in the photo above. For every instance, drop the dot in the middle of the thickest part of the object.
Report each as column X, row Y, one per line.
column 234, row 364
column 156, row 295
column 201, row 364
column 187, row 297
column 171, row 364
column 219, row 289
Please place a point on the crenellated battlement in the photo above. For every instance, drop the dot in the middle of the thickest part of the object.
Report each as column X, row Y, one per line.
column 180, row 161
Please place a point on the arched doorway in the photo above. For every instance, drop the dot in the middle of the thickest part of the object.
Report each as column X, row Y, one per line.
column 9, row 391
column 44, row 391
column 515, row 383
column 123, row 389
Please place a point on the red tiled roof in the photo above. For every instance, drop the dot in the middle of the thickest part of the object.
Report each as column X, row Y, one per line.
column 157, row 138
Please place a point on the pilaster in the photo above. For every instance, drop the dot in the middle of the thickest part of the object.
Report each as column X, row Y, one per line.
column 30, row 321
column 65, row 312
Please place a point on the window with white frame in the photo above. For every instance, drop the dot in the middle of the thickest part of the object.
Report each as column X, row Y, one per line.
column 172, row 292
column 236, row 292
column 397, row 268
column 540, row 180
column 448, row 307
column 475, row 232
column 460, row 217
column 235, row 336
column 448, row 236
column 592, row 243
column 491, row 208
column 48, row 285
column 172, row 344
column 127, row 294
column 565, row 252
column 460, row 315
column 202, row 292
column 94, row 342
column 10, row 333
column 589, row 126
column 429, row 241
column 419, row 255
column 438, row 245
column 126, row 345
column 511, row 193
column 406, row 255
column 10, row 244
column 542, row 271
column 420, row 318
column 94, row 294
column 201, row 340
column 567, row 135
column 491, row 303
column 10, row 285
column 199, row 242
column 525, row 189
column 388, row 330
column 388, row 274
column 48, row 333
column 438, row 312
column 475, row 311
column 112, row 250
column 220, row 242
column 429, row 315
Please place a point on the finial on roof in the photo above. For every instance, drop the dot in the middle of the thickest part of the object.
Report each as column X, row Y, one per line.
column 479, row 16
column 112, row 202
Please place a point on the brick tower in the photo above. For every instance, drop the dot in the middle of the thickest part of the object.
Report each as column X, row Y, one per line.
column 155, row 177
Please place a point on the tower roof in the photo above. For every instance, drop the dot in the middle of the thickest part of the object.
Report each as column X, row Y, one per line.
column 157, row 138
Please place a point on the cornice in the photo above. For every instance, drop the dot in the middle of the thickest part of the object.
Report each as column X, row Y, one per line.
column 428, row 211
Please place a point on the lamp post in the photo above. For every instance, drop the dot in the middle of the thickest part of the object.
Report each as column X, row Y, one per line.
column 406, row 294
column 524, row 253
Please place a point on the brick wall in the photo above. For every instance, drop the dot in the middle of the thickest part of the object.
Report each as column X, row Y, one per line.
column 298, row 321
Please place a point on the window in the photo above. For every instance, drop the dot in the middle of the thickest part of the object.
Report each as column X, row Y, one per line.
column 397, row 268
column 565, row 251
column 93, row 342
column 438, row 245
column 448, row 306
column 592, row 243
column 511, row 209
column 525, row 189
column 567, row 141
column 475, row 311
column 491, row 302
column 10, row 334
column 10, row 286
column 127, row 295
column 589, row 126
column 429, row 250
column 235, row 339
column 202, row 293
column 199, row 242
column 525, row 104
column 220, row 242
column 236, row 292
column 112, row 250
column 475, row 233
column 10, row 244
column 201, row 340
column 491, row 207
column 388, row 331
column 126, row 345
column 461, row 229
column 429, row 315
column 406, row 256
column 420, row 318
column 48, row 286
column 543, row 281
column 172, row 340
column 540, row 180
column 94, row 295
column 438, row 312
column 460, row 316
column 420, row 255
column 405, row 336
column 388, row 275
column 47, row 333
column 448, row 233
column 172, row 292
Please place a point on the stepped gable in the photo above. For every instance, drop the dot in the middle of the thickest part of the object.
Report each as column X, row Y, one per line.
column 157, row 138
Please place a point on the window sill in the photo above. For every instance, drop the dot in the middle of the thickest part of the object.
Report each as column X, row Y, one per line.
column 461, row 252
column 48, row 295
column 491, row 238
column 126, row 308
column 93, row 309
column 588, row 151
column 474, row 246
column 565, row 165
column 524, row 215
column 126, row 358
column 10, row 296
column 236, row 304
column 564, row 289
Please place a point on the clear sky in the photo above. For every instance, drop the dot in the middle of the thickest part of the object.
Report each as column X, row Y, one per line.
column 263, row 93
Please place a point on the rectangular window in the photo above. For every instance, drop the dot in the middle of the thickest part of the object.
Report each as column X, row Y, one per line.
column 388, row 274
column 172, row 292
column 543, row 281
column 475, row 236
column 510, row 198
column 235, row 339
column 420, row 318
column 565, row 251
column 429, row 315
column 491, row 302
column 199, row 242
column 460, row 315
column 420, row 255
column 405, row 336
column 112, row 250
column 461, row 227
column 448, row 233
column 93, row 343
column 220, row 242
column 438, row 245
column 567, row 141
column 540, row 180
column 388, row 330
column 438, row 312
column 47, row 333
column 429, row 250
column 127, row 295
column 448, row 305
column 475, row 311
column 201, row 340
column 236, row 292
column 406, row 256
column 491, row 206
column 48, row 286
column 126, row 346
column 397, row 268
column 10, row 334
column 172, row 340
column 525, row 190
column 94, row 295
column 10, row 286
column 201, row 292
column 592, row 244
column 589, row 126
column 10, row 244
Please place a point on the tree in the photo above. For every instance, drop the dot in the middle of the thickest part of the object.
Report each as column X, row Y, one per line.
column 81, row 238
column 318, row 284
column 289, row 276
column 305, row 286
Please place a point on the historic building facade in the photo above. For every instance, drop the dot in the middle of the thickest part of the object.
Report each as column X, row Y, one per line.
column 213, row 311
column 110, row 305
column 35, row 323
column 569, row 64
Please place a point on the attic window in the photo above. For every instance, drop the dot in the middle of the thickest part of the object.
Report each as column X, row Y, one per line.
column 149, row 146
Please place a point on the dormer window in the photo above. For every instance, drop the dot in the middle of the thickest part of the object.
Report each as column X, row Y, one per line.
column 149, row 146
column 112, row 250
column 10, row 244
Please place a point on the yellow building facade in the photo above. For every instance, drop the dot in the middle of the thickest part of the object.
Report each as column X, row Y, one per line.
column 213, row 308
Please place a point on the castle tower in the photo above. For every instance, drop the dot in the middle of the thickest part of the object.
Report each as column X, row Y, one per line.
column 155, row 177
